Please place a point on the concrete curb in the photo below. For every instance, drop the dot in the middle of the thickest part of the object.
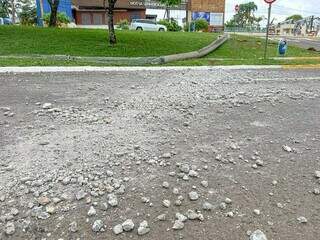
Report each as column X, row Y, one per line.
column 134, row 61
column 128, row 69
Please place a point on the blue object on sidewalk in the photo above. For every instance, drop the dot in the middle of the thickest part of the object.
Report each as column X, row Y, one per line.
column 282, row 48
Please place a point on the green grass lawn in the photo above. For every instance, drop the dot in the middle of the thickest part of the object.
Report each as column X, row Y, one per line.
column 238, row 50
column 250, row 50
column 17, row 40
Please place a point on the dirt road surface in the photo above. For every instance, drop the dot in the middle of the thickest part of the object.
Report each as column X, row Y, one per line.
column 230, row 151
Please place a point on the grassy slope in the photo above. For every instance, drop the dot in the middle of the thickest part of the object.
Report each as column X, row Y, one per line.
column 248, row 50
column 91, row 42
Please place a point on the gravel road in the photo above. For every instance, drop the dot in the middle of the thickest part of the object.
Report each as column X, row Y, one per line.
column 170, row 154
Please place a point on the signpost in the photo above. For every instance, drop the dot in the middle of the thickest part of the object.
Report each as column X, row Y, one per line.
column 268, row 25
column 236, row 9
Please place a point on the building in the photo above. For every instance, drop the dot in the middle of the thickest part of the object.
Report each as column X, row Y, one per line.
column 43, row 7
column 156, row 10
column 94, row 12
column 309, row 26
column 285, row 28
column 211, row 10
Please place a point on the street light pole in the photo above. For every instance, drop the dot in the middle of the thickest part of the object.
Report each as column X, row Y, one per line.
column 267, row 35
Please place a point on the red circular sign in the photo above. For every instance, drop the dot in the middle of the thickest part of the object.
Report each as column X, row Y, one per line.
column 269, row 1
column 237, row 8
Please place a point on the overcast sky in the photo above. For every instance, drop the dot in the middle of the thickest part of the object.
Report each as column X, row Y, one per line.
column 280, row 9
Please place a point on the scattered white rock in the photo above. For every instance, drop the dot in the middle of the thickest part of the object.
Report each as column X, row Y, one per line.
column 166, row 203
column 207, row 206
column 47, row 106
column 10, row 228
column 143, row 228
column 128, row 225
column 117, row 229
column 97, row 225
column 166, row 155
column 193, row 196
column 165, row 185
column 184, row 168
column 192, row 215
column 230, row 214
column 73, row 227
column 112, row 200
column 287, row 148
column 193, row 173
column 92, row 211
column 223, row 206
column 258, row 235
column 302, row 219
column 181, row 217
column 161, row 217
column 204, row 184
column 80, row 195
column 259, row 162
column 178, row 225
column 256, row 211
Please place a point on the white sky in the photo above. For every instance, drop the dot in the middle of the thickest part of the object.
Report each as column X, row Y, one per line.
column 280, row 9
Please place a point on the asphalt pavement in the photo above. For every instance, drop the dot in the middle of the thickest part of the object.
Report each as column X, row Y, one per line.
column 190, row 153
column 303, row 42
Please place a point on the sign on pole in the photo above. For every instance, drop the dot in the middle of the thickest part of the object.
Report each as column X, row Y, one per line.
column 269, row 1
column 268, row 26
column 237, row 8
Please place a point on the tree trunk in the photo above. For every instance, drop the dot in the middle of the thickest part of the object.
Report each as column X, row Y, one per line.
column 54, row 4
column 168, row 13
column 112, row 34
column 13, row 11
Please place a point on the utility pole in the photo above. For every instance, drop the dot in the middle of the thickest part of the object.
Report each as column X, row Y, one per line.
column 41, row 13
column 268, row 26
column 311, row 24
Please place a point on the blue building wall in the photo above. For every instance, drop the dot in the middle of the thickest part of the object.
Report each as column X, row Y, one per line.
column 64, row 6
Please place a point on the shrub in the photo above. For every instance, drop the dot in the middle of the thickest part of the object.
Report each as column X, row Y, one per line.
column 123, row 24
column 201, row 25
column 28, row 15
column 172, row 25
column 62, row 19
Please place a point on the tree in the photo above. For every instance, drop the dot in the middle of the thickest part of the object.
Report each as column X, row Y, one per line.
column 54, row 4
column 5, row 8
column 28, row 14
column 168, row 4
column 295, row 17
column 9, row 8
column 112, row 34
column 245, row 16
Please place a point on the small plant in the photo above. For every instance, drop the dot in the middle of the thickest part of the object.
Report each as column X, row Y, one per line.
column 61, row 17
column 123, row 24
column 172, row 25
column 201, row 25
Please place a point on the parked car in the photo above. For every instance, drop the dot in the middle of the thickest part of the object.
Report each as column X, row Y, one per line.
column 5, row 21
column 146, row 25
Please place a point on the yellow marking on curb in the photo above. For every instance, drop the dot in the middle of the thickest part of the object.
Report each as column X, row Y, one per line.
column 308, row 66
